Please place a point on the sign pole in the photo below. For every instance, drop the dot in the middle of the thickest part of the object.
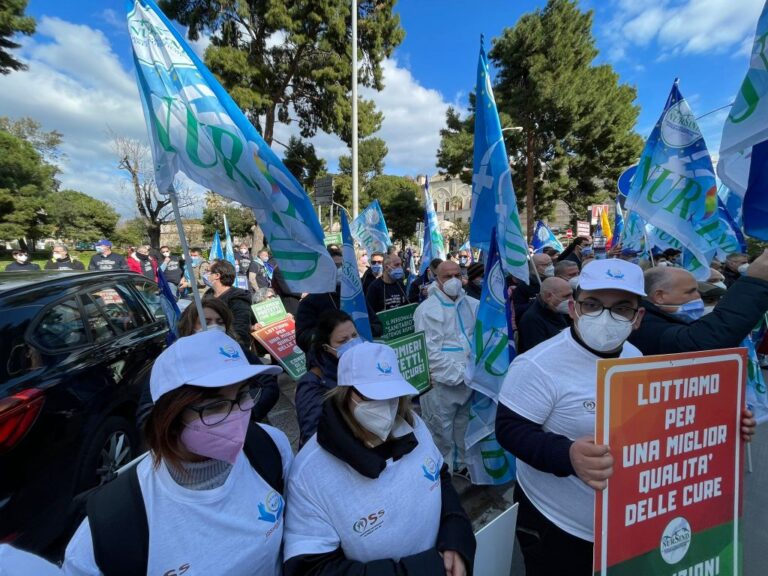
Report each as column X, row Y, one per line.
column 187, row 258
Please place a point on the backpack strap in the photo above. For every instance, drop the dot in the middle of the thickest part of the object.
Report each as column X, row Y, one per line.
column 264, row 456
column 119, row 529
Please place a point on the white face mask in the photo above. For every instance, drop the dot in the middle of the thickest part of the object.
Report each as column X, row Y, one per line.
column 562, row 308
column 720, row 284
column 377, row 416
column 743, row 268
column 549, row 271
column 452, row 287
column 603, row 333
column 574, row 283
column 708, row 309
column 21, row 258
column 210, row 327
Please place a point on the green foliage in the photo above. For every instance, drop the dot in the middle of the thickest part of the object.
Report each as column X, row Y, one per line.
column 398, row 199
column 13, row 21
column 302, row 161
column 46, row 143
column 579, row 118
column 26, row 182
column 240, row 219
column 77, row 216
column 131, row 233
column 291, row 61
column 370, row 164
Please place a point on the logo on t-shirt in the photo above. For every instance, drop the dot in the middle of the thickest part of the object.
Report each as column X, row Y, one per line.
column 366, row 525
column 271, row 510
column 589, row 405
column 430, row 469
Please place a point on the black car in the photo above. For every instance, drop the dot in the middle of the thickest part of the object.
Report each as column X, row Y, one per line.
column 76, row 349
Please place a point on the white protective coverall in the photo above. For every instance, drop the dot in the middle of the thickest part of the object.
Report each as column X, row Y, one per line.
column 448, row 327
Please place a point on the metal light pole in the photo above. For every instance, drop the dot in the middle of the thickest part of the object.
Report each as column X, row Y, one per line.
column 355, row 182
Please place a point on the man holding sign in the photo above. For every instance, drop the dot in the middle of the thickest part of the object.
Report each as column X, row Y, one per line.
column 546, row 418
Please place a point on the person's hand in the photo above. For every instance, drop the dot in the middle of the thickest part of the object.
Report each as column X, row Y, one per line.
column 748, row 425
column 592, row 462
column 289, row 315
column 615, row 250
column 257, row 326
column 759, row 268
column 454, row 565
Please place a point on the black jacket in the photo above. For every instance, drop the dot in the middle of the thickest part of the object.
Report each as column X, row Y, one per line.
column 735, row 315
column 65, row 264
column 455, row 532
column 474, row 291
column 414, row 290
column 313, row 305
column 289, row 299
column 239, row 303
column 382, row 296
column 539, row 323
column 730, row 277
column 523, row 296
column 26, row 267
column 311, row 390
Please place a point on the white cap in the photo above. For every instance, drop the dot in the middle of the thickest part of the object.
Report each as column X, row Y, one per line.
column 612, row 274
column 374, row 371
column 209, row 359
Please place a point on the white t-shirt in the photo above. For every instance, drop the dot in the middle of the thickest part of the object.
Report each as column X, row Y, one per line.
column 235, row 528
column 554, row 385
column 392, row 516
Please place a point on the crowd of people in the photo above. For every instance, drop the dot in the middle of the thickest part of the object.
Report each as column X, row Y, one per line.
column 224, row 493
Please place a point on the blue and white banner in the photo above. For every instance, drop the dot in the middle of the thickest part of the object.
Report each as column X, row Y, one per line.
column 543, row 237
column 352, row 297
column 618, row 225
column 743, row 162
column 633, row 235
column 494, row 204
column 229, row 250
column 370, row 229
column 196, row 128
column 434, row 246
column 170, row 308
column 674, row 188
column 487, row 461
column 215, row 253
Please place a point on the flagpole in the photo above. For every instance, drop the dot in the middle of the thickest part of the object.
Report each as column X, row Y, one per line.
column 355, row 182
column 187, row 257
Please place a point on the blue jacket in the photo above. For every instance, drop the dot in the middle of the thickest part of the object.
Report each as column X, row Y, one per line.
column 311, row 390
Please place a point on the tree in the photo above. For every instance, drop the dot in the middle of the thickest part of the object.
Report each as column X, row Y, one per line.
column 577, row 120
column 12, row 22
column 291, row 61
column 26, row 182
column 77, row 216
column 154, row 209
column 302, row 161
column 239, row 218
column 131, row 233
column 46, row 143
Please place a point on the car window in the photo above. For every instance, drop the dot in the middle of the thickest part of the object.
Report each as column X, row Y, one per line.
column 110, row 303
column 61, row 326
column 150, row 293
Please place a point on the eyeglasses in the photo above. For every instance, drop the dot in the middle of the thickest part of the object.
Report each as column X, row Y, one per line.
column 620, row 312
column 217, row 411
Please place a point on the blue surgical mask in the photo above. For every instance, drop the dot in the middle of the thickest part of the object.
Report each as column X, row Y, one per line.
column 196, row 260
column 346, row 346
column 396, row 273
column 690, row 311
column 377, row 268
column 99, row 249
column 587, row 252
column 207, row 281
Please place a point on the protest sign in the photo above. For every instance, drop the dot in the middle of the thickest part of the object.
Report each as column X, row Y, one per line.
column 673, row 503
column 411, row 353
column 334, row 238
column 279, row 339
column 397, row 322
column 582, row 228
column 268, row 311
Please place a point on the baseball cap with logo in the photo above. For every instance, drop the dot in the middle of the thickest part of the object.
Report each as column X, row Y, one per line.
column 209, row 359
column 103, row 242
column 374, row 371
column 612, row 274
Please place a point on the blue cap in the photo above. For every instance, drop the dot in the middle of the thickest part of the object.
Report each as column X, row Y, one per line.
column 103, row 242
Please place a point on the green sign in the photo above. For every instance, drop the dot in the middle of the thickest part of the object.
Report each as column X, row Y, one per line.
column 334, row 238
column 397, row 322
column 268, row 311
column 411, row 353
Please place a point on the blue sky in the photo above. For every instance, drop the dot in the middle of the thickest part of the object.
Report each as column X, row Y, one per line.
column 81, row 80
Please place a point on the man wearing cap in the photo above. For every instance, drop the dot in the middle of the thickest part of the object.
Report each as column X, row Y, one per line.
column 674, row 310
column 546, row 418
column 547, row 316
column 105, row 259
column 21, row 263
column 447, row 319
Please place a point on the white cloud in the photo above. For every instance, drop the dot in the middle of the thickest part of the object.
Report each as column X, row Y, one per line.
column 682, row 26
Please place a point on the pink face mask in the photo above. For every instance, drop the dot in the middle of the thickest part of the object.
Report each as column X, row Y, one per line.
column 224, row 441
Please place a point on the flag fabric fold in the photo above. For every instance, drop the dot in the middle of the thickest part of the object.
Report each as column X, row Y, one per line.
column 487, row 461
column 197, row 129
column 543, row 237
column 229, row 250
column 605, row 223
column 618, row 224
column 494, row 204
column 169, row 306
column 352, row 297
column 215, row 253
column 743, row 162
column 370, row 229
column 434, row 246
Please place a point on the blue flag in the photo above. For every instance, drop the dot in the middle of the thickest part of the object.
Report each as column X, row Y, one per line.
column 618, row 224
column 169, row 306
column 215, row 252
column 466, row 246
column 196, row 128
column 370, row 229
column 434, row 246
column 229, row 251
column 743, row 163
column 543, row 237
column 492, row 351
column 352, row 297
column 633, row 235
column 674, row 188
column 494, row 204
